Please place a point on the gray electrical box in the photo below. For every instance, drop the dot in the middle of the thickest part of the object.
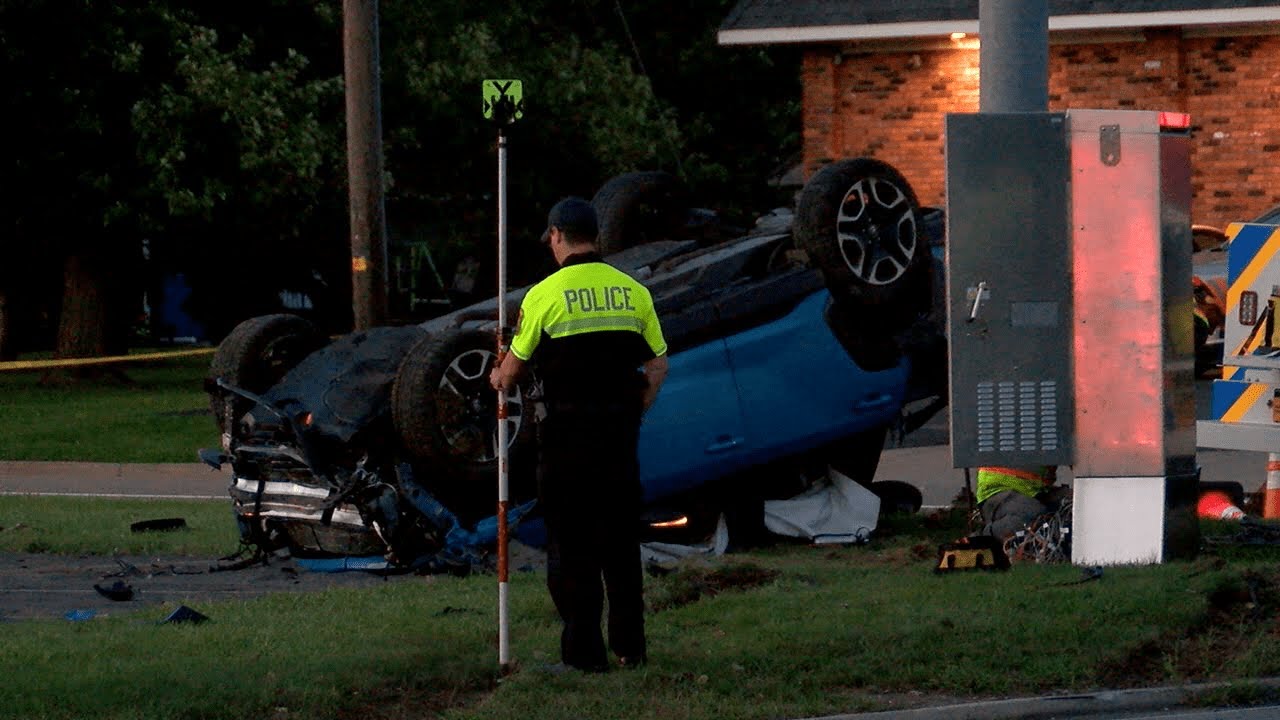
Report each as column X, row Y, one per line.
column 1009, row 289
column 1070, row 315
column 1069, row 286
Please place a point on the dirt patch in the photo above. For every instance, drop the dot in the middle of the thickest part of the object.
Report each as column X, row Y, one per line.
column 408, row 703
column 689, row 584
column 38, row 586
column 1238, row 611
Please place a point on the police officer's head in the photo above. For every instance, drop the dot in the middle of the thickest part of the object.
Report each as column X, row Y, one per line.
column 573, row 222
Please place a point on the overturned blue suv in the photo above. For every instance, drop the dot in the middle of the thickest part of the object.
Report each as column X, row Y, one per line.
column 795, row 346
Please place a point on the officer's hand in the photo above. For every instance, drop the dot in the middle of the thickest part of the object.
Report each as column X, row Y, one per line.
column 496, row 379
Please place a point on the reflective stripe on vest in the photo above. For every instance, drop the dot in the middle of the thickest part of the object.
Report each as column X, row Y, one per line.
column 992, row 480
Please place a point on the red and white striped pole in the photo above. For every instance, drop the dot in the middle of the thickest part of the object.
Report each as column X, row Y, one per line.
column 1271, row 496
column 504, row 629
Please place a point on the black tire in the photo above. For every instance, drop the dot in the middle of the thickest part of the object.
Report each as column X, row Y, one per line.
column 897, row 497
column 445, row 414
column 640, row 207
column 859, row 222
column 858, row 456
column 255, row 355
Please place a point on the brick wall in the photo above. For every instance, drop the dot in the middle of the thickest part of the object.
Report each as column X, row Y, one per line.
column 891, row 105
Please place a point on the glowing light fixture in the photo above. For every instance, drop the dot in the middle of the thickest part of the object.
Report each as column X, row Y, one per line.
column 681, row 521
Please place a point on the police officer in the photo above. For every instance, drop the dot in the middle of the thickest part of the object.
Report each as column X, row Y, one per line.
column 600, row 354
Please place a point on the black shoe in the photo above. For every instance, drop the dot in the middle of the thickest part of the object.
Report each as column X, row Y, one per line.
column 632, row 661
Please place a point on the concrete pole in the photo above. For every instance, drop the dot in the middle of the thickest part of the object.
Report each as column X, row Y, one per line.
column 1013, row 59
column 364, row 163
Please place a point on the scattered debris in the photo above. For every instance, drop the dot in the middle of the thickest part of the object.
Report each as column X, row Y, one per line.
column 159, row 525
column 185, row 614
column 118, row 591
column 1086, row 575
column 80, row 615
column 126, row 570
column 450, row 610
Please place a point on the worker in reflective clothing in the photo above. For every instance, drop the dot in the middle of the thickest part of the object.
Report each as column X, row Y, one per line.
column 600, row 354
column 1010, row 498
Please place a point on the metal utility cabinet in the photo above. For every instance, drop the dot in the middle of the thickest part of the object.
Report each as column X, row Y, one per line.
column 1069, row 296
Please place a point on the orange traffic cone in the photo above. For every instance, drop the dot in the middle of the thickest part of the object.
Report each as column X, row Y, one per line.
column 1271, row 497
column 1215, row 505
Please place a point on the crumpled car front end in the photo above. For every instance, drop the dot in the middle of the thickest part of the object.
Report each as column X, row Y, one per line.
column 314, row 462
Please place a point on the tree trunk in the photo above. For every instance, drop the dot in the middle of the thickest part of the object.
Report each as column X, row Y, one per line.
column 83, row 320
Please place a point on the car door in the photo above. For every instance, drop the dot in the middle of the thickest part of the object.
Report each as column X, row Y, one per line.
column 798, row 388
column 693, row 433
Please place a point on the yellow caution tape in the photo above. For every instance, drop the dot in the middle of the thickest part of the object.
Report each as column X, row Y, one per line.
column 79, row 362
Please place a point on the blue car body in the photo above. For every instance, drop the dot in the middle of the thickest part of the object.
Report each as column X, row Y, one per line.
column 771, row 391
column 759, row 375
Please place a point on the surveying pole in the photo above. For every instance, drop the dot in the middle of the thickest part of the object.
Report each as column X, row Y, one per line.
column 502, row 105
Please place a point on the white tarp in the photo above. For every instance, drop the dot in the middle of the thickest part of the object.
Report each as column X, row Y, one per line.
column 838, row 511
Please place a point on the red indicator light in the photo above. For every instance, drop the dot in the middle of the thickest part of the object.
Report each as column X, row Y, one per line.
column 1175, row 121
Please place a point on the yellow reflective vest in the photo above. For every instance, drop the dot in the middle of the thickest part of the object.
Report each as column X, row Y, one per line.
column 992, row 480
column 586, row 297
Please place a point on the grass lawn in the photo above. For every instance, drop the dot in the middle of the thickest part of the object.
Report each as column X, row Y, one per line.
column 160, row 414
column 786, row 631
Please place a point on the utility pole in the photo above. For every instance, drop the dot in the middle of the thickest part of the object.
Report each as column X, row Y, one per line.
column 1013, row 56
column 364, row 163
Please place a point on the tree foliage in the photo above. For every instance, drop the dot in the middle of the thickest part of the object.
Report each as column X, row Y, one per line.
column 214, row 134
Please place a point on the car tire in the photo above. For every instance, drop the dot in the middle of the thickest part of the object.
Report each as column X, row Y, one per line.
column 859, row 222
column 445, row 414
column 254, row 356
column 897, row 497
column 858, row 456
column 639, row 207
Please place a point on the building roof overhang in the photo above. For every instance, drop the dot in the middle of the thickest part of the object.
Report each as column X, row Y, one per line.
column 1224, row 19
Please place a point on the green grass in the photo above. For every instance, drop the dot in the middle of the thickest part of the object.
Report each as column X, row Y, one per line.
column 160, row 415
column 788, row 631
column 99, row 526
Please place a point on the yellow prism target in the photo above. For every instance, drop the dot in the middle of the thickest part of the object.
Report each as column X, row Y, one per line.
column 503, row 100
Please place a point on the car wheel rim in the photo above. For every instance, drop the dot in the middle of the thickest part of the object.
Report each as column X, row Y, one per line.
column 876, row 231
column 473, row 408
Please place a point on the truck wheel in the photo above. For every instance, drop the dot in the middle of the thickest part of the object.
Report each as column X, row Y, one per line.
column 858, row 220
column 255, row 355
column 446, row 416
column 639, row 207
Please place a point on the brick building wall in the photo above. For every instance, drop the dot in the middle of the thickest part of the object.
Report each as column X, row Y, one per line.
column 891, row 105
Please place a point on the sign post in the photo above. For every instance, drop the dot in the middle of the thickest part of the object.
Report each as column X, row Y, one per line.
column 503, row 104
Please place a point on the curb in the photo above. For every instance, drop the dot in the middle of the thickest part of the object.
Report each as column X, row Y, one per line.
column 1104, row 702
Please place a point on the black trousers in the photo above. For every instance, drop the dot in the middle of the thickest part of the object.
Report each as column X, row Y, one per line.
column 589, row 490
